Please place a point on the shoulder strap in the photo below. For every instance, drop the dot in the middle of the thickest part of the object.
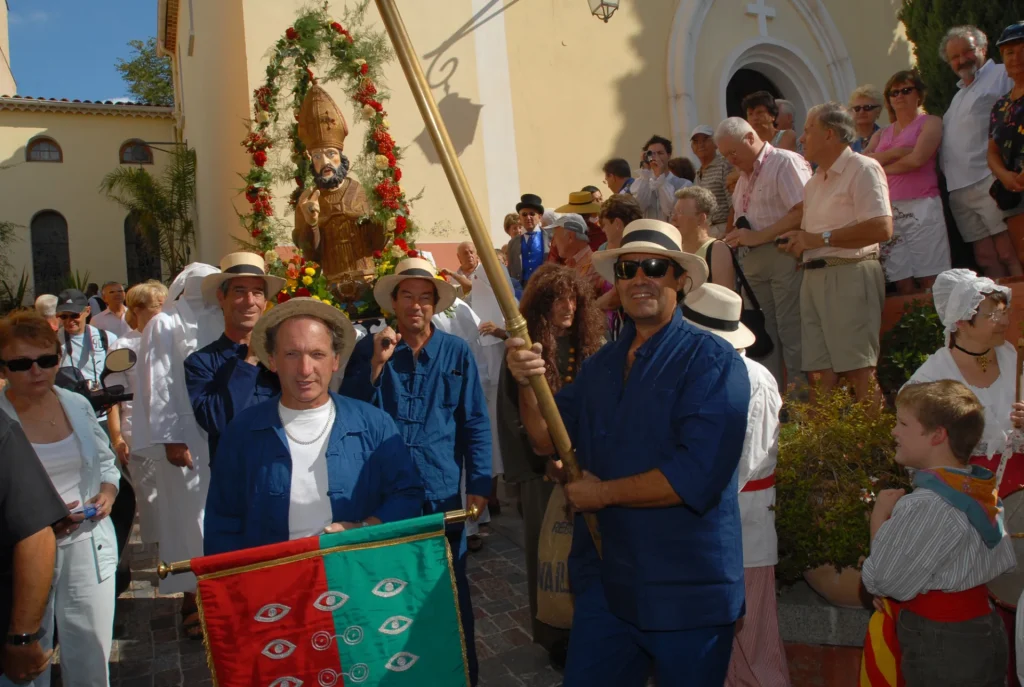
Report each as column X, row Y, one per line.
column 743, row 281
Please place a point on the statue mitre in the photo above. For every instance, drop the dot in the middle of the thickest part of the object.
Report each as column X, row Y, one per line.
column 321, row 123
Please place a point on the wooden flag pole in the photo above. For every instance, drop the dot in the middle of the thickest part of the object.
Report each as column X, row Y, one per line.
column 515, row 323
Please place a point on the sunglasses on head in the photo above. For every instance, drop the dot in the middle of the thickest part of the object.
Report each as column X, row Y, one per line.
column 25, row 364
column 865, row 108
column 654, row 268
column 902, row 91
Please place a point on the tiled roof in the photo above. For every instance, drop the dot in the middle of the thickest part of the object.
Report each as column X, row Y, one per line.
column 24, row 102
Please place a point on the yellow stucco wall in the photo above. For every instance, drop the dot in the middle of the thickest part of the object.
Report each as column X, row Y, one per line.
column 90, row 144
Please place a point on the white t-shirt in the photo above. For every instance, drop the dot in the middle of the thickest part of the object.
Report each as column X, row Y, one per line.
column 309, row 511
column 757, row 461
column 62, row 461
column 110, row 322
column 129, row 380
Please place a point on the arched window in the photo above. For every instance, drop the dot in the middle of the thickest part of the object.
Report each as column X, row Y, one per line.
column 142, row 258
column 51, row 258
column 135, row 152
column 43, row 149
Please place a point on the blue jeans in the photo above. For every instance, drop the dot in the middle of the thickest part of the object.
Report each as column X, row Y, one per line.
column 457, row 541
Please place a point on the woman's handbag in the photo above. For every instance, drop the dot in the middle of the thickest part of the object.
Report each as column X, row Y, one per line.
column 753, row 317
column 1004, row 197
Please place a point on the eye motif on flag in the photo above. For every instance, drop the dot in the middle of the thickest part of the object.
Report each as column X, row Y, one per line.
column 328, row 677
column 396, row 625
column 278, row 649
column 286, row 682
column 401, row 662
column 330, row 601
column 390, row 587
column 271, row 613
column 322, row 640
column 360, row 672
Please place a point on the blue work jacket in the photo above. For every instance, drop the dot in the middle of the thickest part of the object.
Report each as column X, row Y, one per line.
column 369, row 473
column 439, row 406
column 683, row 411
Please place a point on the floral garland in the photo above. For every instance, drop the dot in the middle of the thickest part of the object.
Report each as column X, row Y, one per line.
column 355, row 57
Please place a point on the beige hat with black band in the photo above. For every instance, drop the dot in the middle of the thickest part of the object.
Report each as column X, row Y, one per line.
column 717, row 309
column 655, row 237
column 413, row 268
column 241, row 264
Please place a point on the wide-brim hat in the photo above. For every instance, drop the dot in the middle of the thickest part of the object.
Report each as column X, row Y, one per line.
column 413, row 268
column 659, row 238
column 302, row 307
column 717, row 309
column 530, row 200
column 581, row 203
column 241, row 264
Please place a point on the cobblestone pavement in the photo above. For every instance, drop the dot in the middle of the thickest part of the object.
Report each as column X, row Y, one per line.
column 149, row 650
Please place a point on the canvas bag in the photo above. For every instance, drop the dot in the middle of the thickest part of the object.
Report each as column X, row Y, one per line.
column 554, row 599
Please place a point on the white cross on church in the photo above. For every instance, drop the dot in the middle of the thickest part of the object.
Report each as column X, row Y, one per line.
column 763, row 13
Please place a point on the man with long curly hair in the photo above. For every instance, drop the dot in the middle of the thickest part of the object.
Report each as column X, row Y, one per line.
column 561, row 313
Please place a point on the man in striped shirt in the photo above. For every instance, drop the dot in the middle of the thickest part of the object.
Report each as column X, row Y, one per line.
column 711, row 175
column 766, row 203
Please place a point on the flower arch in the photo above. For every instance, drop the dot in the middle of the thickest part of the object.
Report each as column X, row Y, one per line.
column 346, row 53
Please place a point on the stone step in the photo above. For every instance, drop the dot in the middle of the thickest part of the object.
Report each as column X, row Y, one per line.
column 806, row 618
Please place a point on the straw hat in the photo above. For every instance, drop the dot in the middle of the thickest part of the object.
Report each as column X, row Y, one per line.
column 413, row 268
column 717, row 309
column 242, row 264
column 301, row 307
column 656, row 237
column 582, row 203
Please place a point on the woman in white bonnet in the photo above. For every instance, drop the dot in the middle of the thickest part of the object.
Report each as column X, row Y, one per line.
column 975, row 312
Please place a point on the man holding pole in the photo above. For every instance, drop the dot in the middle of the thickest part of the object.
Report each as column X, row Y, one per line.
column 429, row 383
column 658, row 419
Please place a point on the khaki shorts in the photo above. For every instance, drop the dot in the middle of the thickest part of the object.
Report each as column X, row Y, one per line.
column 976, row 213
column 841, row 311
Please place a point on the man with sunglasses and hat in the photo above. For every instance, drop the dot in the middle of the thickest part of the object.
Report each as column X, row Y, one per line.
column 429, row 383
column 658, row 419
column 529, row 250
column 225, row 377
column 85, row 346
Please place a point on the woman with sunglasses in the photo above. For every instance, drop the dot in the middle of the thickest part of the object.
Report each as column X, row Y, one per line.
column 907, row 150
column 74, row 450
column 866, row 106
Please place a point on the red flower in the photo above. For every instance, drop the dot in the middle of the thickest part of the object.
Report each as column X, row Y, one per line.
column 377, row 254
column 364, row 68
column 337, row 27
column 291, row 34
column 349, row 37
column 300, row 182
column 392, row 160
column 259, row 158
column 309, row 73
column 402, row 244
column 398, row 174
column 401, row 223
column 413, row 254
column 256, row 231
column 376, row 105
column 283, row 297
column 302, row 292
column 252, row 194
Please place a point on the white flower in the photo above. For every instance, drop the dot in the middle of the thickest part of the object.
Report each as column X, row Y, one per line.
column 397, row 252
column 368, row 112
column 262, row 117
column 381, row 162
column 360, row 62
column 270, row 257
column 392, row 224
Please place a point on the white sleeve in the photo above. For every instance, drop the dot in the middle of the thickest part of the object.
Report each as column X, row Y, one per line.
column 761, row 442
column 155, row 417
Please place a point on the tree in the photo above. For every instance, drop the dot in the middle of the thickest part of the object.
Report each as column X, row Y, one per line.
column 148, row 76
column 162, row 207
column 927, row 21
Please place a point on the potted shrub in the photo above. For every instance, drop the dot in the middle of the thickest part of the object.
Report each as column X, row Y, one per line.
column 834, row 456
column 906, row 346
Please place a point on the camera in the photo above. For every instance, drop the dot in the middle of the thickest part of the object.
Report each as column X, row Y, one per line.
column 103, row 397
column 649, row 156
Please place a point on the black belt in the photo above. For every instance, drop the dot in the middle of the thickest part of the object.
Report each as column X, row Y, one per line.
column 820, row 263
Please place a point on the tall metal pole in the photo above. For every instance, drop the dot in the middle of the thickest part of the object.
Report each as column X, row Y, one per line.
column 515, row 324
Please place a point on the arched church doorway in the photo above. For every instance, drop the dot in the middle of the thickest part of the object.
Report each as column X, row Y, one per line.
column 51, row 256
column 743, row 83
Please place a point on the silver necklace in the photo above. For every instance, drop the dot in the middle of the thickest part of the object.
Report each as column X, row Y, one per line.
column 318, row 437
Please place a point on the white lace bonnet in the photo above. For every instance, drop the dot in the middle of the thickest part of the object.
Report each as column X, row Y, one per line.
column 957, row 295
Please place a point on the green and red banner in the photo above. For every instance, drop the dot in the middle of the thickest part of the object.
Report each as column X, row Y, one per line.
column 370, row 606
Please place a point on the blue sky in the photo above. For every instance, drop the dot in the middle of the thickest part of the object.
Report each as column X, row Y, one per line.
column 68, row 48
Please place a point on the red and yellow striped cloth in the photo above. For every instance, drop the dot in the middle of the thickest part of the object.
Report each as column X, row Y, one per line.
column 880, row 664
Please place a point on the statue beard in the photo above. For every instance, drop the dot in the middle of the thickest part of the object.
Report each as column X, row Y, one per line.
column 333, row 181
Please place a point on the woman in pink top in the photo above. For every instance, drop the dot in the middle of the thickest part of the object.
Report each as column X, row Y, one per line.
column 906, row 149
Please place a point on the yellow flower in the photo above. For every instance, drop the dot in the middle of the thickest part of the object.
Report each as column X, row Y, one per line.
column 385, row 123
column 316, row 298
column 307, row 280
column 381, row 162
column 368, row 112
column 392, row 223
column 360, row 61
column 292, row 283
column 310, row 271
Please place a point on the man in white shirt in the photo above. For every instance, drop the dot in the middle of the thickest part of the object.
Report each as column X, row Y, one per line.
column 964, row 151
column 766, row 203
column 112, row 319
column 655, row 187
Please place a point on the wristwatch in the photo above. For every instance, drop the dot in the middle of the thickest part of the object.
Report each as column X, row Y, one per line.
column 25, row 639
column 827, row 238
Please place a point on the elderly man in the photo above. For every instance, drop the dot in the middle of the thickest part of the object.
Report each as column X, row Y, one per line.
column 85, row 346
column 429, row 383
column 226, row 377
column 618, row 175
column 768, row 202
column 164, row 427
column 846, row 215
column 112, row 318
column 571, row 241
column 46, row 306
column 711, row 175
column 344, row 462
column 657, row 419
column 529, row 250
column 965, row 129
column 655, row 185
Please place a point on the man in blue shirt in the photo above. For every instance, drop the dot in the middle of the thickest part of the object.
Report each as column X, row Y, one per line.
column 657, row 419
column 429, row 383
column 308, row 461
column 225, row 377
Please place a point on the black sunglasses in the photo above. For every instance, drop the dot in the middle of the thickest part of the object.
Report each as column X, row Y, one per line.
column 654, row 268
column 902, row 91
column 69, row 316
column 25, row 364
column 865, row 108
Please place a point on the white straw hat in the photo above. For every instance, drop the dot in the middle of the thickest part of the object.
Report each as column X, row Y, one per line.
column 302, row 307
column 413, row 268
column 659, row 238
column 717, row 309
column 241, row 264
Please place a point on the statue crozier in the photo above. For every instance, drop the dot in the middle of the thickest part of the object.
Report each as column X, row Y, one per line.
column 327, row 227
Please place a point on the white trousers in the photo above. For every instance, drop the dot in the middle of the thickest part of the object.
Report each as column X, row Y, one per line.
column 82, row 606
